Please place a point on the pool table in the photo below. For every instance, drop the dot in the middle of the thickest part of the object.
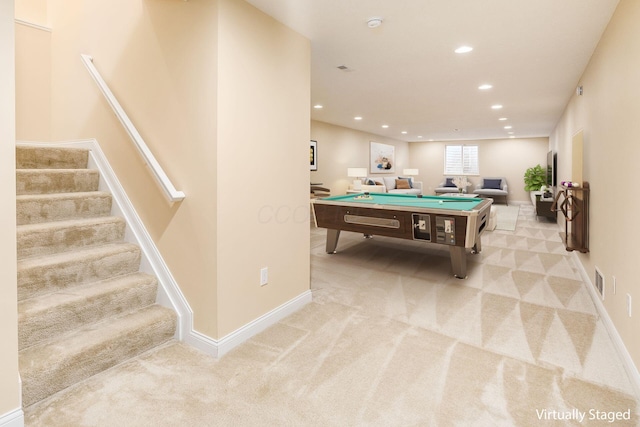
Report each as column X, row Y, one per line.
column 452, row 221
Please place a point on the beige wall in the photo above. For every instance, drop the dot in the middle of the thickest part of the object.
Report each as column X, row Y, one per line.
column 608, row 115
column 9, row 379
column 32, row 11
column 33, row 83
column 509, row 158
column 161, row 60
column 340, row 148
column 263, row 129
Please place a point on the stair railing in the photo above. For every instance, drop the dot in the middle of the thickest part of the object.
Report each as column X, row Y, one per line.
column 158, row 173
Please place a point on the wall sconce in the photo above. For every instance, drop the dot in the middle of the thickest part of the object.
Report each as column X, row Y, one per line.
column 357, row 173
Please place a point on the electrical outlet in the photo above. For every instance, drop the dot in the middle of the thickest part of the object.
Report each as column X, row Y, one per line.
column 264, row 276
column 629, row 304
column 614, row 285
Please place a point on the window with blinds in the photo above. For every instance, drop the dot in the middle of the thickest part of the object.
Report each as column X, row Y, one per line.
column 461, row 160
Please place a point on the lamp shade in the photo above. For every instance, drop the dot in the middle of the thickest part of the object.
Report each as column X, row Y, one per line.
column 410, row 172
column 356, row 172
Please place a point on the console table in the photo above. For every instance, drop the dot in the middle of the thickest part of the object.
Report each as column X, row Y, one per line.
column 543, row 205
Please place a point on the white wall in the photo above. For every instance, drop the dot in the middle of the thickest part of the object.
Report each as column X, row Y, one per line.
column 608, row 113
column 9, row 378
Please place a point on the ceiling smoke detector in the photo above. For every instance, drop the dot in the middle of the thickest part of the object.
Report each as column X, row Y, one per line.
column 374, row 22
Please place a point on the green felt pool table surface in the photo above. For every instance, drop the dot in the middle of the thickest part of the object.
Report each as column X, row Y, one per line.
column 406, row 200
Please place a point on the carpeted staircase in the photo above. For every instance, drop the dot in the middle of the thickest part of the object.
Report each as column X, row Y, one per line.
column 83, row 304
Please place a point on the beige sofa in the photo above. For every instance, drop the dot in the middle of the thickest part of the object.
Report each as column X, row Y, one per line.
column 388, row 184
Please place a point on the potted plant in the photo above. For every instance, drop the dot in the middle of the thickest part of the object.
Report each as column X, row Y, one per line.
column 535, row 178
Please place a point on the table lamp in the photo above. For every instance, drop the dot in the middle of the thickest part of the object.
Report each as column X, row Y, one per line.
column 357, row 173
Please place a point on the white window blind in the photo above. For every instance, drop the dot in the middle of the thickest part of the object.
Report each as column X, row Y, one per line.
column 461, row 160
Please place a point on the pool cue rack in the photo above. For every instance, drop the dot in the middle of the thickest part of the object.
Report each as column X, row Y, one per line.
column 573, row 202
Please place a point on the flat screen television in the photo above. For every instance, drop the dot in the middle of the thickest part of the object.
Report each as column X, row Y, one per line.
column 551, row 169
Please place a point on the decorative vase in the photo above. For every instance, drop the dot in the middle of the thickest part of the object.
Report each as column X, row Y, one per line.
column 459, row 190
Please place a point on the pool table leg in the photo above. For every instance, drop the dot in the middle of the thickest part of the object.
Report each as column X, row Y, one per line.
column 332, row 240
column 477, row 248
column 458, row 261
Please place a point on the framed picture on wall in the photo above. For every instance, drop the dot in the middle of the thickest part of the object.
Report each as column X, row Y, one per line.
column 313, row 155
column 382, row 158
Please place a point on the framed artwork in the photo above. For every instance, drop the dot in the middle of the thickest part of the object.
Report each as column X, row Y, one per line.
column 313, row 155
column 382, row 158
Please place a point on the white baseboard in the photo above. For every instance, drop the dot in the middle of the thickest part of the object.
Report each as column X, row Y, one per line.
column 218, row 348
column 627, row 361
column 169, row 293
column 13, row 418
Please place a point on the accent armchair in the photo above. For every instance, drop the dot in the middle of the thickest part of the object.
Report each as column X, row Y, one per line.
column 446, row 186
column 492, row 187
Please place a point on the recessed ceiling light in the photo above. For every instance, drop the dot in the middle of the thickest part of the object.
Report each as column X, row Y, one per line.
column 419, row 136
column 508, row 127
column 463, row 49
column 318, row 107
column 502, row 119
column 357, row 118
column 512, row 136
column 485, row 87
column 496, row 107
column 404, row 132
column 385, row 126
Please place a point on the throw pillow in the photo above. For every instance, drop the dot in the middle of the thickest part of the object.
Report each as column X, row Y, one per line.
column 449, row 183
column 492, row 184
column 408, row 179
column 389, row 182
column 402, row 184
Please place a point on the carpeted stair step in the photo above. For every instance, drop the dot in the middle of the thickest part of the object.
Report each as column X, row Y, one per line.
column 52, row 273
column 46, row 181
column 47, row 317
column 42, row 157
column 48, row 368
column 61, row 236
column 37, row 208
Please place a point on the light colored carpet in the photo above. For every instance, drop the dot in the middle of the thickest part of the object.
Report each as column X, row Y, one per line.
column 506, row 217
column 390, row 339
column 83, row 305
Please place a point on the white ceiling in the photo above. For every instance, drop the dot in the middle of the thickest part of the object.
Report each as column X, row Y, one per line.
column 406, row 75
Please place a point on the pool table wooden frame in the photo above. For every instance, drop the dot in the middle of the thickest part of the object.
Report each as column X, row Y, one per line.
column 465, row 225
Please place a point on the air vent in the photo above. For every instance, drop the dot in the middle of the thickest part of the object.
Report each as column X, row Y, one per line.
column 344, row 68
column 600, row 282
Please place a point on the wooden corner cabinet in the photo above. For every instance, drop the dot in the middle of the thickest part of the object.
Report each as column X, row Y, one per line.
column 573, row 202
